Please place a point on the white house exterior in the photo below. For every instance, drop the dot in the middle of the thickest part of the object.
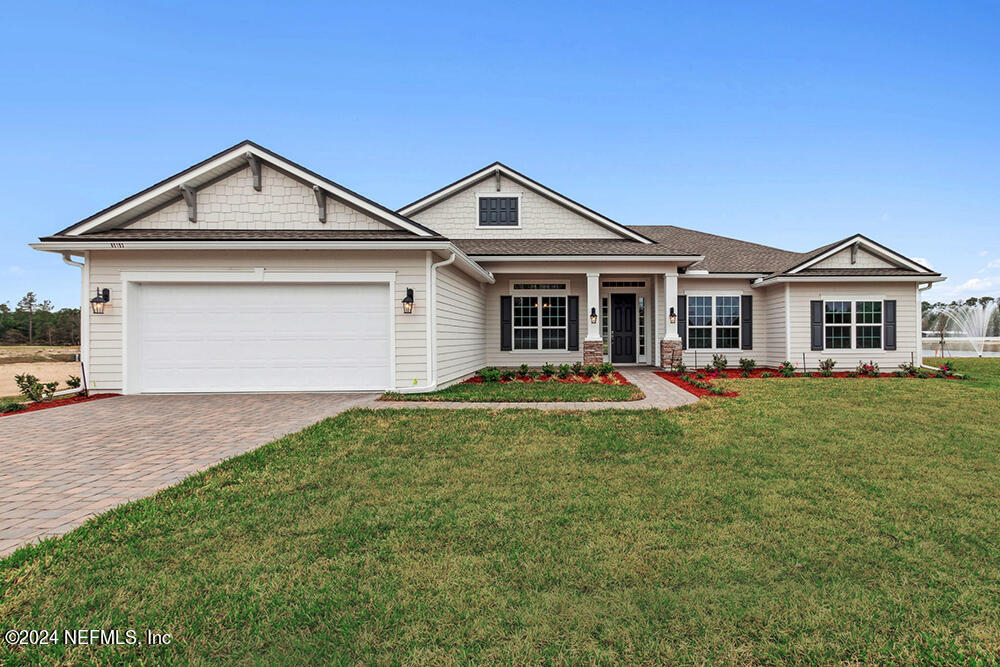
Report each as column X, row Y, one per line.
column 248, row 272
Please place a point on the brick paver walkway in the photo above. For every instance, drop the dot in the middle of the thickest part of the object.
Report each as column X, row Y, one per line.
column 62, row 465
column 660, row 394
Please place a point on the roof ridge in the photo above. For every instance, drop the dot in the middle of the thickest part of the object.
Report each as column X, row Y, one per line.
column 719, row 236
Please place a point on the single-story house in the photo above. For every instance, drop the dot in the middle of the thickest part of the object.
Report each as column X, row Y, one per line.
column 248, row 272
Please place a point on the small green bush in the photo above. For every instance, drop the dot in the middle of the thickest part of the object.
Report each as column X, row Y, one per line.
column 745, row 374
column 870, row 369
column 508, row 374
column 34, row 390
column 901, row 374
column 590, row 370
column 564, row 371
column 73, row 382
column 923, row 375
column 10, row 405
column 747, row 365
column 787, row 369
column 577, row 367
column 681, row 367
column 719, row 362
column 767, row 374
column 532, row 373
column 606, row 368
column 908, row 369
column 523, row 369
column 490, row 374
column 548, row 369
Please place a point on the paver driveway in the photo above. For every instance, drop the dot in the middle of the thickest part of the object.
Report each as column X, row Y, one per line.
column 62, row 465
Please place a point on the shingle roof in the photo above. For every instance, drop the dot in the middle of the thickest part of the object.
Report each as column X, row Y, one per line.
column 722, row 254
column 490, row 247
column 245, row 235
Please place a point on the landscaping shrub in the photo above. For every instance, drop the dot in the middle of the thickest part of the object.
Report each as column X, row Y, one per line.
column 524, row 369
column 10, row 405
column 747, row 365
column 34, row 390
column 577, row 367
column 73, row 382
column 826, row 367
column 606, row 368
column 901, row 374
column 767, row 374
column 923, row 375
column 869, row 370
column 532, row 373
column 947, row 366
column 745, row 374
column 490, row 374
column 681, row 367
column 852, row 374
column 787, row 369
column 508, row 374
column 564, row 371
column 908, row 369
column 700, row 375
column 548, row 369
column 719, row 362
column 590, row 370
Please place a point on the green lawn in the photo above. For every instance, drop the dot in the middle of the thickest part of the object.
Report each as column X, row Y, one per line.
column 513, row 392
column 806, row 520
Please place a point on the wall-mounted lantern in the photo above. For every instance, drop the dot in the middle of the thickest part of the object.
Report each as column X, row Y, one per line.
column 408, row 301
column 593, row 316
column 98, row 302
column 673, row 316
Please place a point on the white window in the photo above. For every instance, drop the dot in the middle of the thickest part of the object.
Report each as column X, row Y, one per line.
column 856, row 324
column 540, row 322
column 713, row 322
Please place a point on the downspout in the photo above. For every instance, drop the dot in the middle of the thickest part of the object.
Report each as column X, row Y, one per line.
column 432, row 315
column 920, row 328
column 84, row 319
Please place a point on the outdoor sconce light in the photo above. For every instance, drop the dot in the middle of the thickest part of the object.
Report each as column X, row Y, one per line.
column 408, row 301
column 673, row 316
column 97, row 303
column 593, row 316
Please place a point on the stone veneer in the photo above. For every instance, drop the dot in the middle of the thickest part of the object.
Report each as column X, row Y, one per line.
column 671, row 352
column 593, row 351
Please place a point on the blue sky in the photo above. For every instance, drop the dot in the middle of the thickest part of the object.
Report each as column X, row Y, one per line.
column 787, row 124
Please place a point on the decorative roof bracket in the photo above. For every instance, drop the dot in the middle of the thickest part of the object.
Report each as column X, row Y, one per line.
column 320, row 202
column 854, row 253
column 255, row 168
column 498, row 180
column 191, row 199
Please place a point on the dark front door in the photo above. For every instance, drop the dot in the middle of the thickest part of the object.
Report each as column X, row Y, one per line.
column 623, row 328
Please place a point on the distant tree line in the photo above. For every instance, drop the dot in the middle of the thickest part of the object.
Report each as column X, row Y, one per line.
column 34, row 322
column 935, row 319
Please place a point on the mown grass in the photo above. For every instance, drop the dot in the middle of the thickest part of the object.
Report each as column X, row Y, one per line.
column 513, row 392
column 806, row 520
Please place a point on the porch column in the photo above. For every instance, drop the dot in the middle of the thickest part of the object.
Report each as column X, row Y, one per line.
column 670, row 346
column 593, row 345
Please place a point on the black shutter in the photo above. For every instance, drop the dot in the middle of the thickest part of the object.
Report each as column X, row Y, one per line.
column 682, row 320
column 573, row 323
column 889, row 318
column 506, row 323
column 816, row 324
column 746, row 322
column 498, row 211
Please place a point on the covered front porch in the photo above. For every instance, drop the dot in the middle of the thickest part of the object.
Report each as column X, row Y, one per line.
column 591, row 313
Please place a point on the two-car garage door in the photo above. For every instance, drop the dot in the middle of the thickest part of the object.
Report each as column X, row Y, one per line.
column 210, row 337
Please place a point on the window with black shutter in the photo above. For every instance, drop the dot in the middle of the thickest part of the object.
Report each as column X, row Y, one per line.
column 498, row 212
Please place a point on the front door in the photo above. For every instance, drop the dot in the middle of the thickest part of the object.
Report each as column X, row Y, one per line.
column 623, row 328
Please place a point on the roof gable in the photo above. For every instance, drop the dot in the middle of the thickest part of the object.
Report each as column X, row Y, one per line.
column 498, row 177
column 242, row 157
column 846, row 254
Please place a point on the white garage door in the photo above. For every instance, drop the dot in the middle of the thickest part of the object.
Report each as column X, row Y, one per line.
column 259, row 337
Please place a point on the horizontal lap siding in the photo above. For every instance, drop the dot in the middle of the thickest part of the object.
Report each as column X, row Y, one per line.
column 496, row 357
column 461, row 325
column 906, row 323
column 774, row 316
column 105, row 335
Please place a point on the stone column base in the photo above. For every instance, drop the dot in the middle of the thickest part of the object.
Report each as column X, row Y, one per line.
column 671, row 353
column 593, row 352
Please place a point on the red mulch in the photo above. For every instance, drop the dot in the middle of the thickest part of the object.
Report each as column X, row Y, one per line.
column 673, row 376
column 690, row 388
column 55, row 403
column 613, row 378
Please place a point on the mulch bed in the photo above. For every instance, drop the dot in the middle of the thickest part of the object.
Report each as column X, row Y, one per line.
column 674, row 377
column 615, row 378
column 55, row 403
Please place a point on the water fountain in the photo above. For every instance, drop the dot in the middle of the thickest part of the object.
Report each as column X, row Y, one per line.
column 975, row 322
